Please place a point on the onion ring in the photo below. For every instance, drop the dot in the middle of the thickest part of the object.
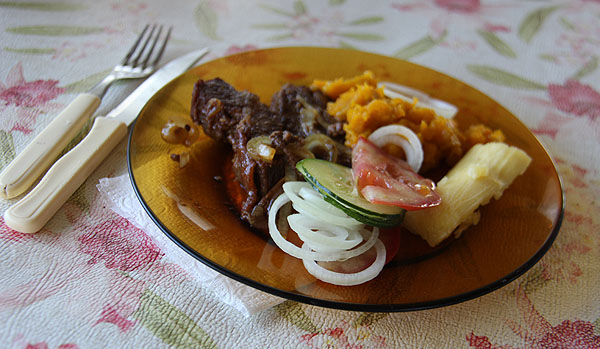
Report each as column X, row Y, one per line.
column 442, row 108
column 299, row 253
column 329, row 213
column 343, row 279
column 403, row 137
column 323, row 236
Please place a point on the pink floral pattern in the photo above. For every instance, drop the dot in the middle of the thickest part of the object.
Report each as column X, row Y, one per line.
column 120, row 244
column 238, row 49
column 573, row 45
column 576, row 98
column 130, row 259
column 71, row 52
column 559, row 264
column 221, row 6
column 445, row 14
column 22, row 101
column 563, row 261
column 44, row 345
column 8, row 234
column 314, row 24
column 462, row 6
column 20, row 342
column 65, row 270
column 124, row 299
column 539, row 333
column 551, row 124
column 28, row 94
column 344, row 336
column 131, row 7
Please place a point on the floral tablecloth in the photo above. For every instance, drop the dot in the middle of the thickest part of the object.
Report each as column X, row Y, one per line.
column 91, row 278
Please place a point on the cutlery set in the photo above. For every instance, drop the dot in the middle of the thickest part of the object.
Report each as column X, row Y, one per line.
column 36, row 208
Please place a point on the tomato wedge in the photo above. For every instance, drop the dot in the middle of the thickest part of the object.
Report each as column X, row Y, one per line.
column 384, row 179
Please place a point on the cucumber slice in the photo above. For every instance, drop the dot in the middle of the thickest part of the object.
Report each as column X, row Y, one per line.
column 336, row 185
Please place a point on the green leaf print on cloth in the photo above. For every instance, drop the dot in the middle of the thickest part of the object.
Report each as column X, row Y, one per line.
column 530, row 26
column 42, row 6
column 534, row 281
column 567, row 24
column 344, row 44
column 32, row 50
column 293, row 312
column 80, row 200
column 280, row 37
column 587, row 69
column 366, row 20
column 547, row 57
column 368, row 319
column 362, row 36
column 418, row 47
column 170, row 324
column 54, row 30
column 86, row 83
column 278, row 10
column 300, row 23
column 270, row 26
column 299, row 8
column 504, row 78
column 206, row 20
column 496, row 43
column 7, row 148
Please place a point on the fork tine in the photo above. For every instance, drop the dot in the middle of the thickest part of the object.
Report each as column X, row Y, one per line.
column 135, row 45
column 149, row 53
column 134, row 63
column 162, row 48
column 129, row 68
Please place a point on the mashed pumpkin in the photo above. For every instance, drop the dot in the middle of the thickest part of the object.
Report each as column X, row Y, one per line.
column 364, row 108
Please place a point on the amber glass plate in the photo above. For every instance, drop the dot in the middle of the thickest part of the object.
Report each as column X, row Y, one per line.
column 191, row 206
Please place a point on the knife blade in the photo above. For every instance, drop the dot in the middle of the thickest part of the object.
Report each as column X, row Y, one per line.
column 34, row 210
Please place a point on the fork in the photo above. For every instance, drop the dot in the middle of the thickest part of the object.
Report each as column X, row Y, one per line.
column 35, row 159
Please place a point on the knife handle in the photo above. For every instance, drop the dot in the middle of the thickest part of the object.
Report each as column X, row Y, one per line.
column 27, row 167
column 34, row 210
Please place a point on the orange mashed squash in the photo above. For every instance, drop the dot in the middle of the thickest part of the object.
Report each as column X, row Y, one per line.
column 363, row 107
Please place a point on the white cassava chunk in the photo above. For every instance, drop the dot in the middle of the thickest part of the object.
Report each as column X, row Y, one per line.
column 482, row 174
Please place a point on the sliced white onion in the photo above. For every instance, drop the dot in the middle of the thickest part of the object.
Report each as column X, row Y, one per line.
column 403, row 137
column 308, row 193
column 405, row 93
column 329, row 214
column 322, row 236
column 187, row 209
column 300, row 253
column 344, row 279
column 346, row 254
column 322, row 239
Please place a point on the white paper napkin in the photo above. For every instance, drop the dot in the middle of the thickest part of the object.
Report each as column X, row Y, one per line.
column 118, row 195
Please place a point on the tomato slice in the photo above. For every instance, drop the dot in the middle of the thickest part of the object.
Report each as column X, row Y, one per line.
column 384, row 179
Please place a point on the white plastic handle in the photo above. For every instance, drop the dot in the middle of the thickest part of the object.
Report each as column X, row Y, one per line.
column 35, row 159
column 34, row 210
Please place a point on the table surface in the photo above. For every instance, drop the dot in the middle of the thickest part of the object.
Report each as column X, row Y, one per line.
column 92, row 279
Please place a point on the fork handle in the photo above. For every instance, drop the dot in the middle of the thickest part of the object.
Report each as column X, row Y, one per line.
column 27, row 167
column 34, row 210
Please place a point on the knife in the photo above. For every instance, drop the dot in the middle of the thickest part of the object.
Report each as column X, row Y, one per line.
column 34, row 210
